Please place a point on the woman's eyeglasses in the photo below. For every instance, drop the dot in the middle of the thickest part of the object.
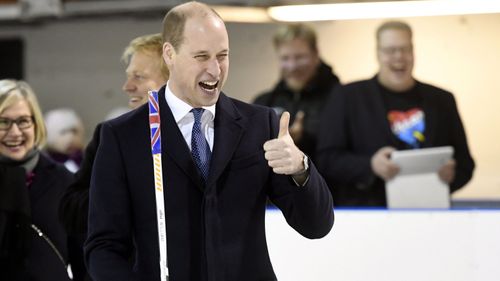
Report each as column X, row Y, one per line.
column 23, row 122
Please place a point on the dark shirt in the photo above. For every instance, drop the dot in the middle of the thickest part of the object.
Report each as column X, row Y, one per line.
column 405, row 116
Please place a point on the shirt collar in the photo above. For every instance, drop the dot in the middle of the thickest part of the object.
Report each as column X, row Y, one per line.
column 180, row 108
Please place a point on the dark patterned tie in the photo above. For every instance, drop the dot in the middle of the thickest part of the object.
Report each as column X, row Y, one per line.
column 199, row 145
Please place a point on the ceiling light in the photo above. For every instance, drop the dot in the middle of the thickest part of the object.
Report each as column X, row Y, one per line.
column 371, row 10
column 242, row 14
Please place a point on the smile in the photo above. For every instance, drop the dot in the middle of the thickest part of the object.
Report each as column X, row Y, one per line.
column 134, row 98
column 209, row 86
column 398, row 69
column 12, row 144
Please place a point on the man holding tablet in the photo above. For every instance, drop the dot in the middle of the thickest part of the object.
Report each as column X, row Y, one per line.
column 366, row 121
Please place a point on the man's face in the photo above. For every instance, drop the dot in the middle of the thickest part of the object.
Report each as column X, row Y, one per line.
column 143, row 75
column 198, row 69
column 395, row 57
column 298, row 63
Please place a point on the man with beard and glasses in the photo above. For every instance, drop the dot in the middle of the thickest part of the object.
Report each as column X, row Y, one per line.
column 366, row 121
column 306, row 83
column 220, row 160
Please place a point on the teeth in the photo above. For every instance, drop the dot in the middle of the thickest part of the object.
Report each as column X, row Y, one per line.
column 12, row 144
column 209, row 86
column 210, row 83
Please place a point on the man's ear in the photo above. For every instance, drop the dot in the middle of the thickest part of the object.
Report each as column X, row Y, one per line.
column 168, row 53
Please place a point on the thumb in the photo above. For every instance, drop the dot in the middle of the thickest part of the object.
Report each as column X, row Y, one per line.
column 284, row 120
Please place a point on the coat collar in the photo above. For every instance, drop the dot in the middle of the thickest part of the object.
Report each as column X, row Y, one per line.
column 380, row 112
column 44, row 178
column 228, row 131
column 229, row 128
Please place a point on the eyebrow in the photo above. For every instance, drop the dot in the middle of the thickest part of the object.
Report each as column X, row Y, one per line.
column 204, row 52
column 134, row 72
column 22, row 116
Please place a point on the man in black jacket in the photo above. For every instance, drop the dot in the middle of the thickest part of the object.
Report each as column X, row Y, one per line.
column 366, row 120
column 305, row 85
column 145, row 71
column 220, row 160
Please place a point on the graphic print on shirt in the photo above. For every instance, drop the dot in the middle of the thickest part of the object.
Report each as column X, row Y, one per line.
column 408, row 126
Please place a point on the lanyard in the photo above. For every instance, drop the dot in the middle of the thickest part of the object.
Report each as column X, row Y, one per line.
column 154, row 125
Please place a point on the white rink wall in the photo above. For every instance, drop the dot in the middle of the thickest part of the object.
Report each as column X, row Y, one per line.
column 381, row 245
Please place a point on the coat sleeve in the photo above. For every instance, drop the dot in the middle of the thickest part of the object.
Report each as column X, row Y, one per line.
column 307, row 209
column 465, row 163
column 74, row 206
column 109, row 244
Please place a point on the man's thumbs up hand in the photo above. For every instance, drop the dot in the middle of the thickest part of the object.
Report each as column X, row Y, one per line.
column 281, row 153
column 284, row 123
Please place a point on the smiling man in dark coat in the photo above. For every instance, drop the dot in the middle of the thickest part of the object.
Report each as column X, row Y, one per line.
column 215, row 222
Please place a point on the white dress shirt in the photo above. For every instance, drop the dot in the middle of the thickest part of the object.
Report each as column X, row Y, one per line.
column 185, row 118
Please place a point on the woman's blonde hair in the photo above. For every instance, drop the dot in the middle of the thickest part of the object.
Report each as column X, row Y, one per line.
column 13, row 91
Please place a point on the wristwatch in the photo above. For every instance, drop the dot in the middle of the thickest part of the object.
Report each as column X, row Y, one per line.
column 302, row 174
column 306, row 163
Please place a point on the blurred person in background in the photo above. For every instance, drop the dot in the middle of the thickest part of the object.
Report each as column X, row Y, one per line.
column 65, row 134
column 306, row 83
column 33, row 243
column 145, row 71
column 365, row 121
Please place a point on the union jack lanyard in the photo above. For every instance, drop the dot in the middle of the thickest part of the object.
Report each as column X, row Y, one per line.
column 154, row 125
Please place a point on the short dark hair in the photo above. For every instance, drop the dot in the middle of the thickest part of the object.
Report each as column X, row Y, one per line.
column 399, row 25
column 175, row 21
column 296, row 31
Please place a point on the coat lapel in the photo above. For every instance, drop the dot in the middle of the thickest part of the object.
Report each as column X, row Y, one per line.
column 431, row 114
column 44, row 179
column 228, row 132
column 174, row 145
column 380, row 112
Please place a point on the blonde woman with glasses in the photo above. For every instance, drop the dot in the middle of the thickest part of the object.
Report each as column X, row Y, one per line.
column 33, row 244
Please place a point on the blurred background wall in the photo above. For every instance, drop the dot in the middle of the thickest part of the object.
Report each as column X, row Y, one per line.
column 76, row 63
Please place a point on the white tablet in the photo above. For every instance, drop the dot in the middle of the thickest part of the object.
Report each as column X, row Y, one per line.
column 418, row 185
